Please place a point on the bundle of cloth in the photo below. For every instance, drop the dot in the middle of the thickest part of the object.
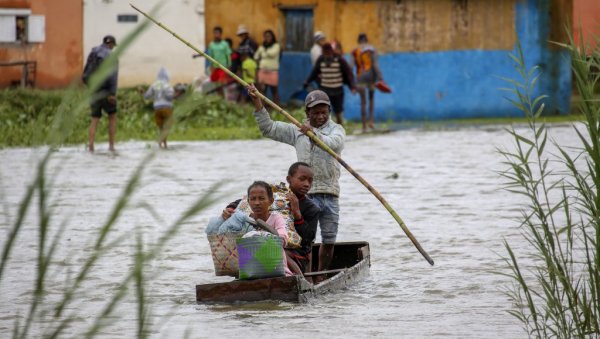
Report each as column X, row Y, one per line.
column 239, row 221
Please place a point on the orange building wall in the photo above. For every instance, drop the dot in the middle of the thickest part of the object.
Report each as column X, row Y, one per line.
column 480, row 25
column 260, row 15
column 60, row 57
column 15, row 3
column 586, row 15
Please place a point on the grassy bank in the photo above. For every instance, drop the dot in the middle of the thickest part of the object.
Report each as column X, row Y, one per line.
column 27, row 117
column 451, row 124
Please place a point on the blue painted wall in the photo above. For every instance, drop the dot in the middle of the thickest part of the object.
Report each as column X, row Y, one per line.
column 457, row 84
column 294, row 68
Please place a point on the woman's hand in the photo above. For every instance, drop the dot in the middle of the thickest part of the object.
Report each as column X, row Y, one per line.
column 294, row 205
column 227, row 212
column 253, row 93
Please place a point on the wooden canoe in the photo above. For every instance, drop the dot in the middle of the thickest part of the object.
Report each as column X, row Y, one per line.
column 351, row 262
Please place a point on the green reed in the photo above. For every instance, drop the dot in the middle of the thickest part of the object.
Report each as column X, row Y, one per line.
column 556, row 294
column 55, row 317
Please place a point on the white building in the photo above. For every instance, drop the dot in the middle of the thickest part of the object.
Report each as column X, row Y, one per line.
column 154, row 47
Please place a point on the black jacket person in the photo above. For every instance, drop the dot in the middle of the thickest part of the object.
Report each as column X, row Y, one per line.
column 304, row 210
column 331, row 72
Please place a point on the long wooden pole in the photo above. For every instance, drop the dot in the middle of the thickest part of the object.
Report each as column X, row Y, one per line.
column 310, row 134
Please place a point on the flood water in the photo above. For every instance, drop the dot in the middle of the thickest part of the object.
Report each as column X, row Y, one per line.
column 447, row 191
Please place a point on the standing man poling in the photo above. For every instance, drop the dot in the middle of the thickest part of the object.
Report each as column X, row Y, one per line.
column 105, row 97
column 325, row 188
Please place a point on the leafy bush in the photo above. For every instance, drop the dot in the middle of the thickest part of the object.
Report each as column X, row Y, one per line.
column 28, row 116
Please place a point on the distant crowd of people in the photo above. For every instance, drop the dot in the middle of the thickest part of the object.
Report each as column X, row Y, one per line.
column 257, row 65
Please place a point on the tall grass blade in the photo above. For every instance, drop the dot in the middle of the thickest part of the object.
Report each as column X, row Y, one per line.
column 559, row 292
column 24, row 206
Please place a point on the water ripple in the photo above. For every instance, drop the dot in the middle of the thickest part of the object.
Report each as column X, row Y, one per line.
column 447, row 191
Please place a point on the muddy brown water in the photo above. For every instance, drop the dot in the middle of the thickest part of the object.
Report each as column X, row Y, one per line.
column 443, row 183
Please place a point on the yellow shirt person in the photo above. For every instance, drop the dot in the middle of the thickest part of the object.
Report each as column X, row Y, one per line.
column 249, row 70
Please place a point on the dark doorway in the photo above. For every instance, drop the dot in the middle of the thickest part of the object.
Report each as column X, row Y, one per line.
column 298, row 29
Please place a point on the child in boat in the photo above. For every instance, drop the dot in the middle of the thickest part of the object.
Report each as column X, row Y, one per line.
column 305, row 213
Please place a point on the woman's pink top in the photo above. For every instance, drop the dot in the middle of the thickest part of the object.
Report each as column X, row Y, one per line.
column 277, row 221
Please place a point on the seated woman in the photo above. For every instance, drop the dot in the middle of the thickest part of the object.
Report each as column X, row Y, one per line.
column 260, row 199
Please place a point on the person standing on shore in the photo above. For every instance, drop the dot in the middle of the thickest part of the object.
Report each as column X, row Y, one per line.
column 367, row 74
column 105, row 97
column 219, row 50
column 267, row 56
column 245, row 39
column 249, row 67
column 317, row 48
column 331, row 72
column 325, row 189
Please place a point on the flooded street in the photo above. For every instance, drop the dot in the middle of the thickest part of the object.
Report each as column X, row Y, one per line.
column 447, row 190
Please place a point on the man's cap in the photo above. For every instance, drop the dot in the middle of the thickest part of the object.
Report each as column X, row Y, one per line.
column 316, row 97
column 109, row 39
column 242, row 29
column 318, row 36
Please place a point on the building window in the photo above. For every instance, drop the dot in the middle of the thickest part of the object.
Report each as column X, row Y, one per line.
column 127, row 18
column 298, row 29
column 21, row 29
column 19, row 26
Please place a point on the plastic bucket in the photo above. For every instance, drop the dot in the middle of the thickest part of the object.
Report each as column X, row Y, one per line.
column 260, row 257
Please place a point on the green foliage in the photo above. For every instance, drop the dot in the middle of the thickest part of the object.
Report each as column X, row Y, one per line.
column 28, row 117
column 560, row 295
